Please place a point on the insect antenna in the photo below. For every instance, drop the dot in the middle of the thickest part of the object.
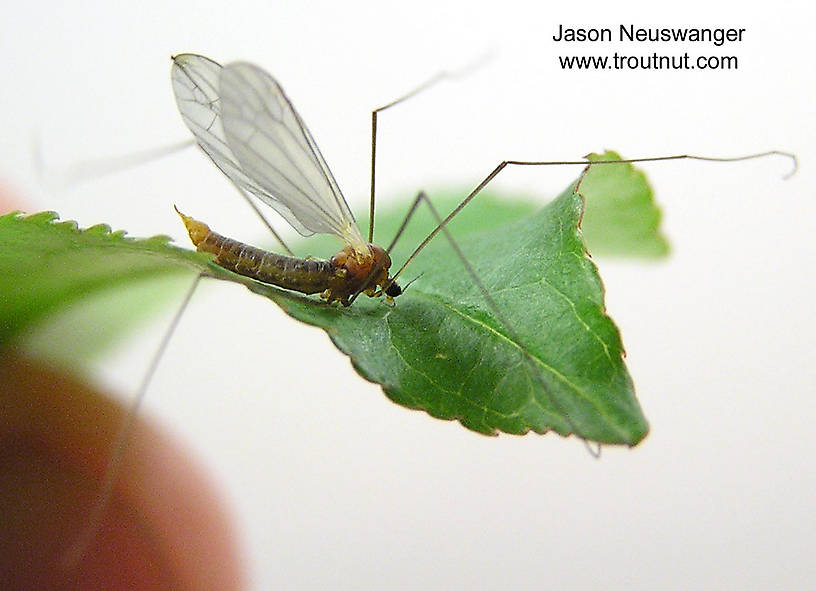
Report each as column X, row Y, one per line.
column 71, row 557
column 407, row 285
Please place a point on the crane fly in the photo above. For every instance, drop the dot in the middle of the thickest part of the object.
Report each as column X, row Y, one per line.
column 246, row 124
column 242, row 119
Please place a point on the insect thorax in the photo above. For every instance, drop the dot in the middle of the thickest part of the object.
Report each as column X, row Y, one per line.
column 358, row 274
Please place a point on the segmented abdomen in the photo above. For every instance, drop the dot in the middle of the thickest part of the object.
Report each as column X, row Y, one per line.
column 303, row 275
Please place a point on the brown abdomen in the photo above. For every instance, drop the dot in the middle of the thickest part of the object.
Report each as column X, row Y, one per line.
column 304, row 275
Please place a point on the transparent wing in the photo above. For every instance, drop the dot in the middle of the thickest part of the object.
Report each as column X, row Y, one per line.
column 242, row 119
column 195, row 85
column 275, row 148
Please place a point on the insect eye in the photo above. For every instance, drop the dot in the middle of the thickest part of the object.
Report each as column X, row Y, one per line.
column 393, row 290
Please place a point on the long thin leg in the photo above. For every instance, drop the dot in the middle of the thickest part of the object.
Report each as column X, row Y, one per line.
column 92, row 169
column 263, row 219
column 422, row 197
column 88, row 170
column 407, row 219
column 74, row 553
column 425, row 85
column 502, row 165
column 403, row 225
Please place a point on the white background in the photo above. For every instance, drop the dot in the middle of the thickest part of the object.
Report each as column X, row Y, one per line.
column 335, row 487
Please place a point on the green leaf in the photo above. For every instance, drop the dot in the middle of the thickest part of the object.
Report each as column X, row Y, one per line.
column 48, row 267
column 441, row 348
column 78, row 336
column 621, row 218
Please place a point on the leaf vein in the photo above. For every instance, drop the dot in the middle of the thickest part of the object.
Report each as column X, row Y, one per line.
column 578, row 390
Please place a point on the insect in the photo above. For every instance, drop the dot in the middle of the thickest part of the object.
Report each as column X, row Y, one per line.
column 242, row 119
column 244, row 122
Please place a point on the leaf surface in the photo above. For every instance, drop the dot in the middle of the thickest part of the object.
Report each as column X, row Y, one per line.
column 441, row 349
column 621, row 218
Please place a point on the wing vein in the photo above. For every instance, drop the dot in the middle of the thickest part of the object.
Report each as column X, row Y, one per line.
column 245, row 123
